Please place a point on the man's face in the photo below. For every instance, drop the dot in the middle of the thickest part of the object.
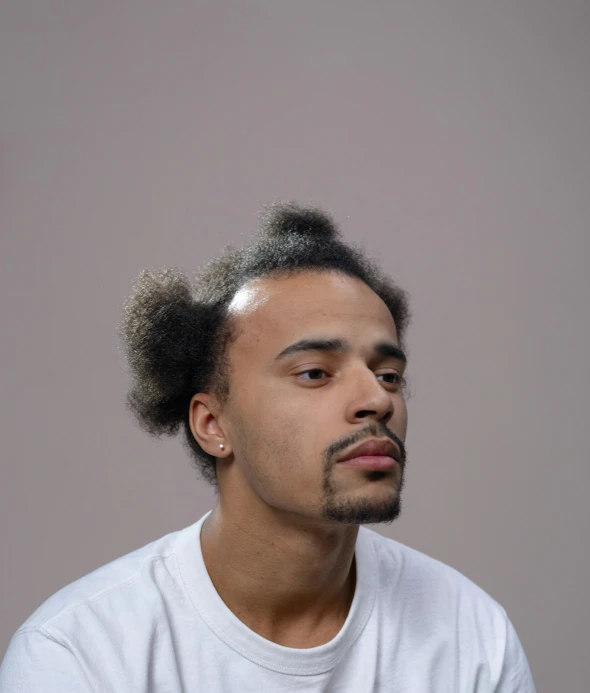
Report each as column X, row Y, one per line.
column 290, row 418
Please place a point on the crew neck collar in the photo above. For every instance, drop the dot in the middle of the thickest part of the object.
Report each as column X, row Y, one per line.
column 236, row 634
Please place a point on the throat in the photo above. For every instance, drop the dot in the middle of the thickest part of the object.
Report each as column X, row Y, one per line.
column 304, row 633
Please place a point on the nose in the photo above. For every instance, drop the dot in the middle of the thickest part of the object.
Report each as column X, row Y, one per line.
column 369, row 399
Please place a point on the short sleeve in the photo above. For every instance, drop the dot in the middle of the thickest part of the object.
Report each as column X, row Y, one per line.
column 515, row 675
column 35, row 663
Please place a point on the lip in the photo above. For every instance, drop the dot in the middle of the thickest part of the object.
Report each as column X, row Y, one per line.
column 380, row 463
column 373, row 448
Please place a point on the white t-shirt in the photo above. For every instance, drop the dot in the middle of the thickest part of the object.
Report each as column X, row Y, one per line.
column 152, row 621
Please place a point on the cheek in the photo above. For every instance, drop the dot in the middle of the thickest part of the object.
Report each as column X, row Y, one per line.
column 282, row 447
column 277, row 434
column 282, row 439
column 266, row 437
column 402, row 417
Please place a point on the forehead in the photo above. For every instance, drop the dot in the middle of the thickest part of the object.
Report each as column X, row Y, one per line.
column 274, row 311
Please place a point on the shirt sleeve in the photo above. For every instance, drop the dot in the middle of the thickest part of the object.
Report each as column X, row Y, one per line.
column 515, row 675
column 36, row 663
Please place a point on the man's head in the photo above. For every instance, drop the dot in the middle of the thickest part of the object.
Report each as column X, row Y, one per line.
column 212, row 357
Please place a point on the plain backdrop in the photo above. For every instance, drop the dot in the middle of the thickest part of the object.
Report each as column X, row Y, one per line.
column 450, row 139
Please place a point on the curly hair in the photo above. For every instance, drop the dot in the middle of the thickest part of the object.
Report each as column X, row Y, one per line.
column 176, row 333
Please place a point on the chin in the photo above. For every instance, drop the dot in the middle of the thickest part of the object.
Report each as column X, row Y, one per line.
column 363, row 511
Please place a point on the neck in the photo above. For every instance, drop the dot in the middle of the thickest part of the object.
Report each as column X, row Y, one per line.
column 289, row 579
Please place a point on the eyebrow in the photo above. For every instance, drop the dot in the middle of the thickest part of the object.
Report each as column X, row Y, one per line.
column 341, row 346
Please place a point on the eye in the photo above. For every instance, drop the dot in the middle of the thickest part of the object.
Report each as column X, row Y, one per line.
column 397, row 379
column 399, row 383
column 311, row 370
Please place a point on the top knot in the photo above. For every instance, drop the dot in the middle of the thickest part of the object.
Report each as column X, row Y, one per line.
column 283, row 219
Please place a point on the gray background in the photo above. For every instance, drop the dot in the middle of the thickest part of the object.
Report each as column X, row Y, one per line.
column 450, row 139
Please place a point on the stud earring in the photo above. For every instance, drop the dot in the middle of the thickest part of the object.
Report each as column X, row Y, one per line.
column 221, row 446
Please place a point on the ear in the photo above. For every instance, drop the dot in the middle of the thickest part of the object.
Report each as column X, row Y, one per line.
column 203, row 412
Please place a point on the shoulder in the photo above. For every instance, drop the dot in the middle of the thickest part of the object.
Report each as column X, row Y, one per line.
column 111, row 586
column 435, row 589
column 437, row 601
column 421, row 570
column 102, row 624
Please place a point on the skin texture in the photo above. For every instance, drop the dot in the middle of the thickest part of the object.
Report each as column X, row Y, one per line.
column 279, row 544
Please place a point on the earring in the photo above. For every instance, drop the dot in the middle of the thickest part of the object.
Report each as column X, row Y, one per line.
column 221, row 446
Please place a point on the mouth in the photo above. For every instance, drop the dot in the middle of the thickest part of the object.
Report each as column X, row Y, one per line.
column 377, row 463
column 374, row 453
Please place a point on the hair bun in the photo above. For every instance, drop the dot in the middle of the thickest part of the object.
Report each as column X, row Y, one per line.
column 161, row 330
column 287, row 219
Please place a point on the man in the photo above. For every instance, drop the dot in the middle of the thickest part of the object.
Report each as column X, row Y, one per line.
column 284, row 364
